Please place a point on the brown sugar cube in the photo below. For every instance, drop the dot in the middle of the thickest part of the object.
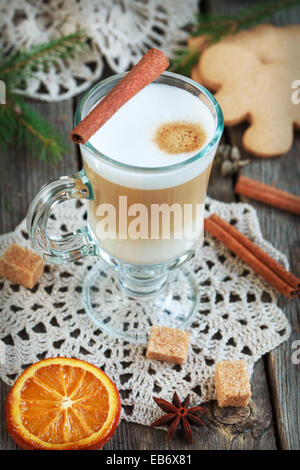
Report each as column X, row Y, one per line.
column 232, row 383
column 168, row 344
column 21, row 266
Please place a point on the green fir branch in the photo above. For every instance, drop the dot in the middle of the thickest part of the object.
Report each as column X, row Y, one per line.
column 25, row 63
column 38, row 134
column 184, row 61
column 7, row 204
column 17, row 119
column 216, row 27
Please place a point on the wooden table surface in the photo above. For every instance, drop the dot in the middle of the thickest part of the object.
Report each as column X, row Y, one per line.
column 273, row 420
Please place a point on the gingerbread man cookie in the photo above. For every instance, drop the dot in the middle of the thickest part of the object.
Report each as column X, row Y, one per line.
column 252, row 73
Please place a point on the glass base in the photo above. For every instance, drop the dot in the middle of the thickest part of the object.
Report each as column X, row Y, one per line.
column 115, row 311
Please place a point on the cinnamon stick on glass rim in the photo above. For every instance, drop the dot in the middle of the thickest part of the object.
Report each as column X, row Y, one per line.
column 148, row 69
column 250, row 259
column 268, row 194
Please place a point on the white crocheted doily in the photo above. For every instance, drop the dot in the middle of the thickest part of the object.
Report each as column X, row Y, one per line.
column 238, row 318
column 120, row 30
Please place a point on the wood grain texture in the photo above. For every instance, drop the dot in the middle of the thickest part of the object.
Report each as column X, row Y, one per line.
column 25, row 173
column 282, row 230
column 219, row 187
column 227, row 429
column 23, row 176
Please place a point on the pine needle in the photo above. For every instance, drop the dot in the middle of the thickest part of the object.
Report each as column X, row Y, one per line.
column 41, row 57
column 216, row 27
column 20, row 122
column 17, row 119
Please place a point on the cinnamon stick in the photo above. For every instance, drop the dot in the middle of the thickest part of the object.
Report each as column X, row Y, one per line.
column 268, row 194
column 285, row 275
column 148, row 69
column 250, row 259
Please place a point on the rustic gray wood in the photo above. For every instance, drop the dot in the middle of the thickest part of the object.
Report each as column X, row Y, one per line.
column 282, row 229
column 21, row 176
column 255, row 427
column 25, row 178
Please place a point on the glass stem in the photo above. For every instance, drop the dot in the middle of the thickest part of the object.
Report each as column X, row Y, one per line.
column 136, row 285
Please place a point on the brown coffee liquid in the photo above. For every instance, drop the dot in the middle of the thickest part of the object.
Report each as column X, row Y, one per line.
column 105, row 192
column 180, row 137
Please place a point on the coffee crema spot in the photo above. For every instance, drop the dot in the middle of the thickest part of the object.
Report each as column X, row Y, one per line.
column 180, row 137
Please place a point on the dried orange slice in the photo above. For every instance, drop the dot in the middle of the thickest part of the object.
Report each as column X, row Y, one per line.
column 62, row 403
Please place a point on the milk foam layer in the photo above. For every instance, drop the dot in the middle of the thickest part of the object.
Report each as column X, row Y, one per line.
column 128, row 138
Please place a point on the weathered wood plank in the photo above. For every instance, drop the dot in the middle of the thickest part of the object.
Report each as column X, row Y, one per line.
column 6, row 443
column 220, row 187
column 249, row 428
column 256, row 431
column 24, row 174
column 282, row 229
column 250, row 433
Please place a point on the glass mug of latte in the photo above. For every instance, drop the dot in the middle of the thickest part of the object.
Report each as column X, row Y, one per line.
column 145, row 175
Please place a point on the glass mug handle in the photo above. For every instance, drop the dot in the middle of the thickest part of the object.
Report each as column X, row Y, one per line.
column 60, row 248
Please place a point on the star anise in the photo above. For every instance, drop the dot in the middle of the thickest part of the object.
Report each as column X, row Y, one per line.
column 176, row 413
